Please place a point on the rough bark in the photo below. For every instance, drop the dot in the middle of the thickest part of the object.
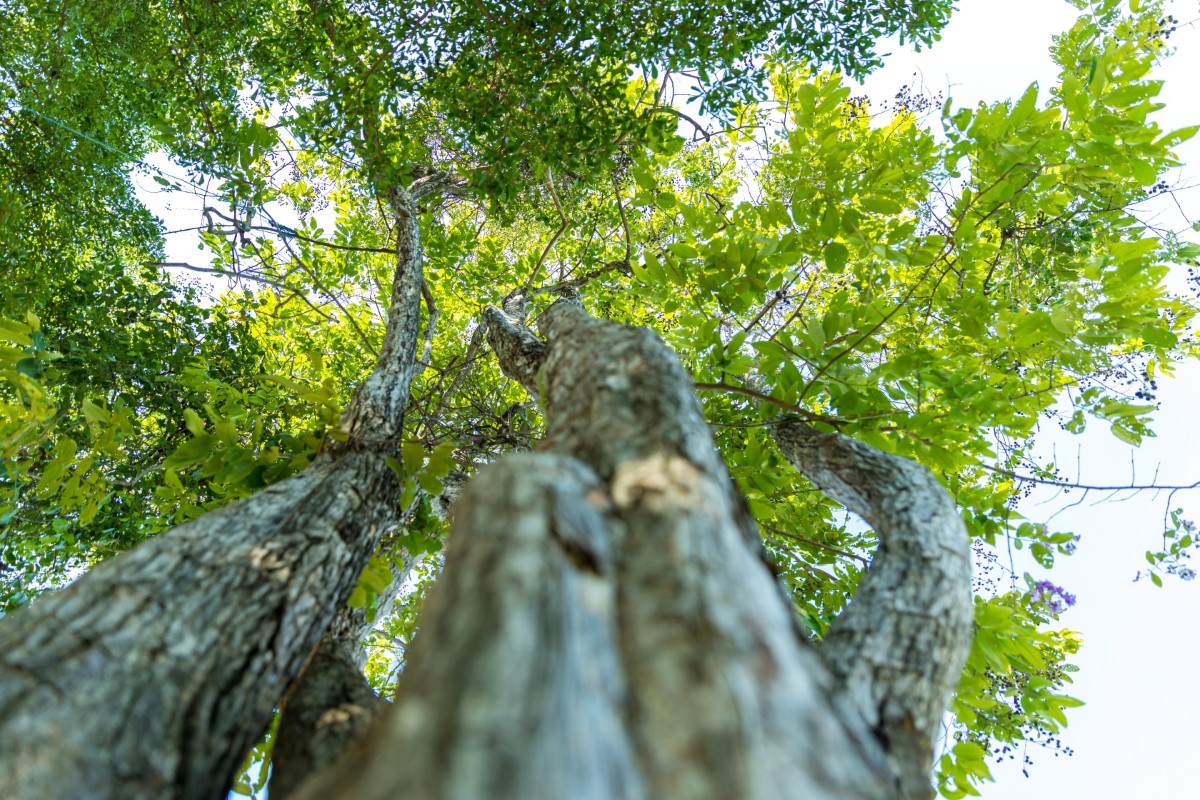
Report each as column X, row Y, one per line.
column 898, row 650
column 606, row 625
column 330, row 703
column 153, row 674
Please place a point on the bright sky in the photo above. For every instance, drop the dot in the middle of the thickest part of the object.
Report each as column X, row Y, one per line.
column 1139, row 734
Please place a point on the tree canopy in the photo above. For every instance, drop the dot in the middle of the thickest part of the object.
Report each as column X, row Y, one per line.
column 933, row 280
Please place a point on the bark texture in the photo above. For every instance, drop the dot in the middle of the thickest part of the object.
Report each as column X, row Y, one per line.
column 606, row 625
column 153, row 674
column 330, row 703
column 898, row 650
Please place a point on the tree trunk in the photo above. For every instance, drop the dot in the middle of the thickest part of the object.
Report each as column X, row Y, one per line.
column 606, row 625
column 330, row 703
column 153, row 674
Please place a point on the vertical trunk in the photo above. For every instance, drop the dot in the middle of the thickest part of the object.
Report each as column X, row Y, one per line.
column 606, row 625
column 153, row 674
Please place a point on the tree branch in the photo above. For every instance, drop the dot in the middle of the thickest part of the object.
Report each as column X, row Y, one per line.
column 766, row 398
column 898, row 650
column 553, row 239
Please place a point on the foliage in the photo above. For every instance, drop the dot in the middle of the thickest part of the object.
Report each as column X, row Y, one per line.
column 936, row 284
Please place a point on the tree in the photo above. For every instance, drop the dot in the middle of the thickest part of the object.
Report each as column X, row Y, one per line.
column 608, row 619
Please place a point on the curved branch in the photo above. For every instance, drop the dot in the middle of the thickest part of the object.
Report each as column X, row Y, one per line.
column 898, row 650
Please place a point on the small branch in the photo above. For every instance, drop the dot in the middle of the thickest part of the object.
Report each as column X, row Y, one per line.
column 283, row 287
column 291, row 234
column 553, row 239
column 700, row 129
column 766, row 398
column 575, row 284
column 624, row 221
column 430, row 323
column 336, row 301
column 463, row 370
column 796, row 537
column 1067, row 485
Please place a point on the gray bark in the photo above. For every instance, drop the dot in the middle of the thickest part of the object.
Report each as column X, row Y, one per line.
column 153, row 674
column 898, row 650
column 606, row 625
column 330, row 703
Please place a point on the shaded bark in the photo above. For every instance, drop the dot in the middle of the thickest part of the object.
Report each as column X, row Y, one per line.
column 606, row 625
column 153, row 674
column 330, row 703
column 898, row 650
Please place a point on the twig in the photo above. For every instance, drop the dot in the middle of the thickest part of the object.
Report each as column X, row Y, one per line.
column 553, row 239
column 766, row 398
column 1067, row 485
column 316, row 282
column 821, row 545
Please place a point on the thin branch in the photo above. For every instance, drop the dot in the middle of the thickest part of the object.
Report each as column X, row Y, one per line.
column 1067, row 485
column 316, row 282
column 700, row 129
column 624, row 221
column 553, row 239
column 283, row 287
column 575, row 284
column 321, row 242
column 430, row 323
column 779, row 532
column 766, row 398
column 463, row 370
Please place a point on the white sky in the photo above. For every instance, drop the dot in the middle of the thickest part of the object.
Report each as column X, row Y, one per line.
column 1139, row 734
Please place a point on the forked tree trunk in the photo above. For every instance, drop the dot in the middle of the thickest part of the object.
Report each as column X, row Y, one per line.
column 153, row 674
column 606, row 625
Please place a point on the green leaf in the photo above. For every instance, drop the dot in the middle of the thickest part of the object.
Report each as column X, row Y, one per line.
column 836, row 255
column 430, row 484
column 194, row 450
column 413, row 454
column 94, row 414
column 193, row 422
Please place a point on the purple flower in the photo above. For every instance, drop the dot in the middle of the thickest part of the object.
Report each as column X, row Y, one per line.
column 1054, row 598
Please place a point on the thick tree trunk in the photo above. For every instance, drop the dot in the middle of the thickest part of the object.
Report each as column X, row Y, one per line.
column 153, row 674
column 606, row 625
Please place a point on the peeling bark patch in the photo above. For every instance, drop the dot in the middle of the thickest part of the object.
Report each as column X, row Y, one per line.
column 269, row 563
column 340, row 715
column 657, row 483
